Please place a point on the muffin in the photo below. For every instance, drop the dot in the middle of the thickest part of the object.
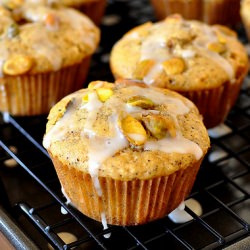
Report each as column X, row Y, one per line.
column 125, row 153
column 44, row 55
column 94, row 9
column 245, row 16
column 206, row 63
column 224, row 12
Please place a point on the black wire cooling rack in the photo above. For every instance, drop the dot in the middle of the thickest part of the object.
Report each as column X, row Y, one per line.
column 31, row 195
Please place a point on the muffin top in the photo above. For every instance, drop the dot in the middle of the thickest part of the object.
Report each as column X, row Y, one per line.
column 38, row 39
column 126, row 131
column 68, row 3
column 179, row 54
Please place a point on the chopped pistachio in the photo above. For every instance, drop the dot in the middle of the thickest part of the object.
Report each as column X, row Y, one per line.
column 100, row 84
column 159, row 125
column 133, row 130
column 141, row 101
column 17, row 65
column 217, row 47
column 104, row 94
column 174, row 66
column 142, row 68
column 12, row 30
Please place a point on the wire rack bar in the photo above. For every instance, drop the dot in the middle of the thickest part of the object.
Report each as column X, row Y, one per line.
column 233, row 214
column 51, row 192
column 167, row 229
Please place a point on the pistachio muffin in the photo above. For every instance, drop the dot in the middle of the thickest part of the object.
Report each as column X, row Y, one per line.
column 44, row 55
column 245, row 16
column 226, row 12
column 94, row 9
column 206, row 63
column 125, row 153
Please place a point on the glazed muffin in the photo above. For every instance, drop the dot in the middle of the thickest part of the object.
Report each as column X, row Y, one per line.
column 44, row 55
column 94, row 9
column 205, row 63
column 224, row 12
column 125, row 153
column 245, row 16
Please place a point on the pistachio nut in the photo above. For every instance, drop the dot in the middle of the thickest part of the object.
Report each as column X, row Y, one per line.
column 217, row 47
column 17, row 65
column 143, row 68
column 174, row 66
column 159, row 125
column 141, row 101
column 133, row 130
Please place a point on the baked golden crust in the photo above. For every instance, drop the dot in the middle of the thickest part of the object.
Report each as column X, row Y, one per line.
column 125, row 153
column 82, row 127
column 94, row 9
column 46, row 39
column 210, row 55
column 68, row 3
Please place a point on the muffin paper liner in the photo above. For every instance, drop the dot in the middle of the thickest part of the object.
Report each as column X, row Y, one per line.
column 28, row 95
column 211, row 12
column 94, row 10
column 215, row 104
column 223, row 12
column 126, row 202
column 188, row 9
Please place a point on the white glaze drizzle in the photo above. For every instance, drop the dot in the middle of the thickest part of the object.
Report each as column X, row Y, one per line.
column 219, row 131
column 202, row 42
column 68, row 201
column 154, row 47
column 178, row 144
column 59, row 130
column 38, row 32
column 92, row 106
column 105, row 225
column 152, row 74
column 100, row 147
column 218, row 59
column 63, row 210
column 179, row 215
column 6, row 117
column 175, row 105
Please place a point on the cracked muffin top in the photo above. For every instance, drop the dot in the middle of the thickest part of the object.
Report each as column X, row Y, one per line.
column 38, row 39
column 126, row 131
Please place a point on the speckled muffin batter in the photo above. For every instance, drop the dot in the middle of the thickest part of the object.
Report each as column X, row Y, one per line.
column 92, row 8
column 125, row 153
column 44, row 55
column 205, row 63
